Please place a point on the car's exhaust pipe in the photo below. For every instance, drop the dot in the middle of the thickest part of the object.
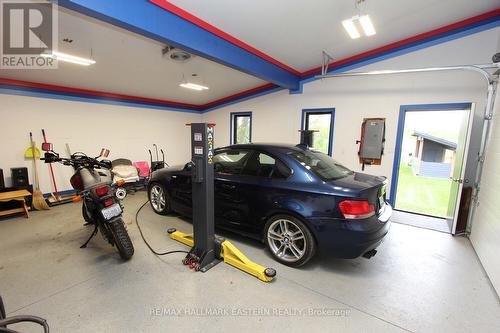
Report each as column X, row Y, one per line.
column 370, row 254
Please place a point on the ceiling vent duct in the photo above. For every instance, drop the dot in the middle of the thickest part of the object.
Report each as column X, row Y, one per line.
column 176, row 54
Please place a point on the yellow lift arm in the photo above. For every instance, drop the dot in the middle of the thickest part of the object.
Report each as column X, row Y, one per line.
column 231, row 256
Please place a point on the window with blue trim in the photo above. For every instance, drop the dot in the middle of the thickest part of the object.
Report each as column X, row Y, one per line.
column 241, row 127
column 322, row 122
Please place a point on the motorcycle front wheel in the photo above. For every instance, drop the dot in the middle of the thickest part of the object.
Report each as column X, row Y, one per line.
column 121, row 239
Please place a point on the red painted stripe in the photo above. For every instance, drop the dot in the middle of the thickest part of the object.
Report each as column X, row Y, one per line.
column 409, row 40
column 431, row 33
column 210, row 28
column 92, row 93
column 447, row 28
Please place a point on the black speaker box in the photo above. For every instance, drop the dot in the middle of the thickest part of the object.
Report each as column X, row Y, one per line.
column 2, row 181
column 19, row 177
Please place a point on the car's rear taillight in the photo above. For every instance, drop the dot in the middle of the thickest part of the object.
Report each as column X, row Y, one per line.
column 102, row 191
column 356, row 209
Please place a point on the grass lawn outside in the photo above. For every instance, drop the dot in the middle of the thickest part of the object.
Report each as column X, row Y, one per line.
column 425, row 195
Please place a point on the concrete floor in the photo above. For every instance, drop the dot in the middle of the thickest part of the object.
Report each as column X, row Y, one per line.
column 420, row 281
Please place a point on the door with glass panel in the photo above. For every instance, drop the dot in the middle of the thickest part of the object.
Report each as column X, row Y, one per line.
column 432, row 154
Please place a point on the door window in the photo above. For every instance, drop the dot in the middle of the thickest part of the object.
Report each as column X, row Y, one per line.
column 263, row 165
column 230, row 161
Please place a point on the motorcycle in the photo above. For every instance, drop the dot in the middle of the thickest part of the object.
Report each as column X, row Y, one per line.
column 100, row 207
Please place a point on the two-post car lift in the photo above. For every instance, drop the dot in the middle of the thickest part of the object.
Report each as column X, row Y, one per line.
column 207, row 249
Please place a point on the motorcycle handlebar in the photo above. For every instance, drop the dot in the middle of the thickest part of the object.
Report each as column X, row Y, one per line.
column 73, row 161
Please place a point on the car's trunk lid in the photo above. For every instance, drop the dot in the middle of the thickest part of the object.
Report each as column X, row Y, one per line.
column 362, row 186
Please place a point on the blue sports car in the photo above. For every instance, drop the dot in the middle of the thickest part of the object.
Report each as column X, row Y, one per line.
column 296, row 200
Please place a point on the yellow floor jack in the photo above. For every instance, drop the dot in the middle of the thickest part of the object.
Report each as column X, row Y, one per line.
column 207, row 250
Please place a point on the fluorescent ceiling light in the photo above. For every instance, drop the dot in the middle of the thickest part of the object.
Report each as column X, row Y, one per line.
column 364, row 21
column 193, row 86
column 68, row 58
column 351, row 28
column 367, row 25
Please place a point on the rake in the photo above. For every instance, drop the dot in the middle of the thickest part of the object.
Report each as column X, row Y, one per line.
column 39, row 202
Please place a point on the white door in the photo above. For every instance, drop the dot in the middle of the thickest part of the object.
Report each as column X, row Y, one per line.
column 458, row 173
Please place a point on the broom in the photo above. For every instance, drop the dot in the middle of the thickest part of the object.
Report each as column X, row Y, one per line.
column 38, row 199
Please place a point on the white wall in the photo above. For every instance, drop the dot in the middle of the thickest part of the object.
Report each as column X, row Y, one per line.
column 126, row 131
column 277, row 116
column 485, row 235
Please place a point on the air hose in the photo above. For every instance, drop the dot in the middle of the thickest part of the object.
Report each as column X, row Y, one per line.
column 144, row 238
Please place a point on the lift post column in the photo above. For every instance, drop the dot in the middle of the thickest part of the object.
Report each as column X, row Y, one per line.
column 202, row 177
column 207, row 250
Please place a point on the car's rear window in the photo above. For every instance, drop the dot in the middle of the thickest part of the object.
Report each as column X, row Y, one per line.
column 321, row 165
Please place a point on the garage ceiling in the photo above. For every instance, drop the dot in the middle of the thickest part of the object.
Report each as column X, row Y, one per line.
column 293, row 33
column 127, row 63
column 296, row 32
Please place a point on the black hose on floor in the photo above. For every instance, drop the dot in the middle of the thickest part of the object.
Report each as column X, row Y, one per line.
column 144, row 238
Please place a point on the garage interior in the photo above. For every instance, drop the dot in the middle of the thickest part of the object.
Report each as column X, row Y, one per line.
column 403, row 91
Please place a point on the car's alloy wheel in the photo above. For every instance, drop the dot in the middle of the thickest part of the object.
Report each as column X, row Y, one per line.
column 158, row 199
column 289, row 241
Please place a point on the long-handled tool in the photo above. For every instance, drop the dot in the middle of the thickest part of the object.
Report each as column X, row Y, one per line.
column 57, row 199
column 30, row 152
column 38, row 199
column 57, row 196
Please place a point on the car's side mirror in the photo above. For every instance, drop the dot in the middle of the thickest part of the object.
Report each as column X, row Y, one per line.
column 188, row 166
column 47, row 146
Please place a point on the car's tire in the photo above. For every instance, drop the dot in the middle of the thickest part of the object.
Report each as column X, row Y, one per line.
column 159, row 199
column 121, row 239
column 289, row 240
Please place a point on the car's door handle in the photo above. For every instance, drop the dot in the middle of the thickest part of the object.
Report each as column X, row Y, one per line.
column 228, row 187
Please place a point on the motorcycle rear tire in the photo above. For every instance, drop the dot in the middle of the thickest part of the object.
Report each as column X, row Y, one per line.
column 86, row 217
column 121, row 239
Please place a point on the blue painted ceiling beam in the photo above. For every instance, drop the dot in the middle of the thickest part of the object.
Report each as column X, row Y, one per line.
column 147, row 19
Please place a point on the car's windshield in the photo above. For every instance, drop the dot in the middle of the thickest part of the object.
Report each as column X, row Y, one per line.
column 321, row 164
